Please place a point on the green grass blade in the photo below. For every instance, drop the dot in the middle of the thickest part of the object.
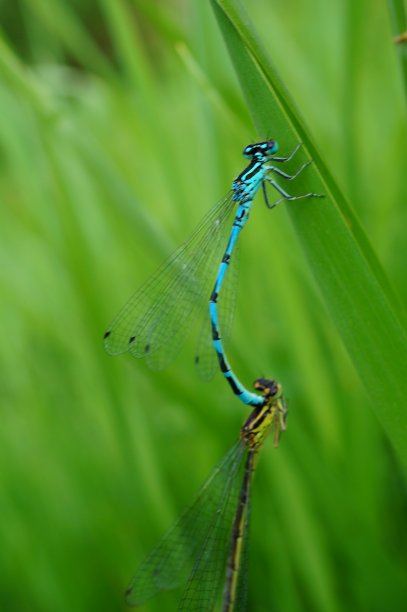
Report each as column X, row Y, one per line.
column 398, row 18
column 355, row 289
column 61, row 21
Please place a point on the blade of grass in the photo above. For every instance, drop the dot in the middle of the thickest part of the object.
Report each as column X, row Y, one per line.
column 63, row 23
column 398, row 20
column 352, row 283
column 16, row 74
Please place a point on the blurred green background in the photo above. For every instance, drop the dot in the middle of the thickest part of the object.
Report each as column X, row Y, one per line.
column 121, row 124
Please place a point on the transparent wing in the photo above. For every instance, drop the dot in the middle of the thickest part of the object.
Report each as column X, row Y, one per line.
column 203, row 587
column 205, row 356
column 155, row 320
column 170, row 562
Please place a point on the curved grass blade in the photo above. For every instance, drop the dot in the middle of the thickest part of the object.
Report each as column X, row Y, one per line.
column 174, row 557
column 156, row 319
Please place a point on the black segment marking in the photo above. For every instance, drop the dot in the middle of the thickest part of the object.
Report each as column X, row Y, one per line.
column 250, row 171
column 235, row 388
column 260, row 418
column 223, row 365
column 242, row 176
column 253, row 171
column 252, row 417
column 215, row 332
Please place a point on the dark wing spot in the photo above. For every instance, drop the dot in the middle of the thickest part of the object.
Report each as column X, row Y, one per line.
column 146, row 349
column 132, row 339
column 197, row 358
column 107, row 334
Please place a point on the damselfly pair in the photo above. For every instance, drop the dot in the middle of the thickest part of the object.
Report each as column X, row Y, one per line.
column 208, row 543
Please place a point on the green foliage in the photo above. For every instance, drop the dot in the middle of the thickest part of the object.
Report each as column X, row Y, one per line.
column 122, row 123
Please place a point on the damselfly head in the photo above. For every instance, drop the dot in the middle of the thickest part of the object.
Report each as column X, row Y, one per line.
column 270, row 389
column 258, row 150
